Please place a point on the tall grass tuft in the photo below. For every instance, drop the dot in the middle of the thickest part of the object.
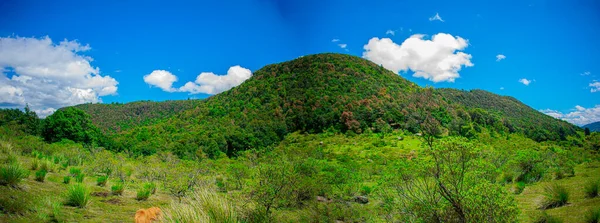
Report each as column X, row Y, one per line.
column 203, row 206
column 40, row 175
column 143, row 194
column 592, row 188
column 101, row 181
column 546, row 218
column 150, row 186
column 593, row 215
column 35, row 164
column 46, row 166
column 12, row 174
column 554, row 196
column 66, row 179
column 78, row 196
column 74, row 171
column 117, row 188
column 79, row 178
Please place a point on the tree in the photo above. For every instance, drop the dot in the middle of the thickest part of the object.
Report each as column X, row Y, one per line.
column 587, row 131
column 70, row 123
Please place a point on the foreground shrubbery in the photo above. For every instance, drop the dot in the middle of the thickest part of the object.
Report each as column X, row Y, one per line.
column 12, row 174
column 554, row 196
column 78, row 195
column 203, row 205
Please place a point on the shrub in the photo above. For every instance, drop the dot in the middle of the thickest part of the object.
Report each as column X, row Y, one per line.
column 74, row 171
column 554, row 196
column 78, row 196
column 12, row 174
column 365, row 190
column 143, row 194
column 35, row 164
column 40, row 175
column 519, row 187
column 592, row 188
column 203, row 206
column 101, row 181
column 150, row 186
column 79, row 178
column 66, row 179
column 593, row 216
column 117, row 189
column 546, row 218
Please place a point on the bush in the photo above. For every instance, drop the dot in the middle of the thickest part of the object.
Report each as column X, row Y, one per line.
column 593, row 216
column 78, row 196
column 117, row 189
column 12, row 174
column 592, row 188
column 203, row 206
column 554, row 196
column 365, row 190
column 546, row 218
column 74, row 171
column 40, row 175
column 66, row 179
column 101, row 181
column 79, row 178
column 519, row 187
column 143, row 194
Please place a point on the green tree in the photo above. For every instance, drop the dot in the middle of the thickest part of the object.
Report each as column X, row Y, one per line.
column 70, row 123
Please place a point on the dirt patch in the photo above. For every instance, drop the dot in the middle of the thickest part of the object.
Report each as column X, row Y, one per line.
column 113, row 201
column 100, row 194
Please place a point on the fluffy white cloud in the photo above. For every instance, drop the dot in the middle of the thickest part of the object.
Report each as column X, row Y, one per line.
column 210, row 83
column 525, row 81
column 595, row 86
column 438, row 59
column 162, row 79
column 390, row 32
column 343, row 45
column 436, row 17
column 335, row 40
column 500, row 57
column 587, row 73
column 48, row 76
column 579, row 115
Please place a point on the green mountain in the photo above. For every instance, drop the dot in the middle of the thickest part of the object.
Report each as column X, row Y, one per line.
column 324, row 92
column 594, row 126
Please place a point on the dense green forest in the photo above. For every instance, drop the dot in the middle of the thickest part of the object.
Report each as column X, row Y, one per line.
column 322, row 138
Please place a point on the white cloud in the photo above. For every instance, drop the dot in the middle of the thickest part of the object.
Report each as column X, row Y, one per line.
column 587, row 73
column 578, row 116
column 500, row 57
column 438, row 59
column 48, row 76
column 210, row 83
column 436, row 17
column 343, row 45
column 525, row 81
column 501, row 88
column 335, row 40
column 162, row 79
column 390, row 32
column 595, row 86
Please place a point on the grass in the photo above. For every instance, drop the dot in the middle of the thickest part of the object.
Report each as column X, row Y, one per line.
column 101, row 181
column 150, row 186
column 66, row 179
column 546, row 218
column 593, row 215
column 74, row 171
column 40, row 175
column 203, row 206
column 117, row 188
column 12, row 174
column 592, row 188
column 143, row 194
column 78, row 195
column 555, row 195
column 79, row 178
column 35, row 164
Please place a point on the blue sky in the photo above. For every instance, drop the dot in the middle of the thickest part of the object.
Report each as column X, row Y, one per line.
column 135, row 50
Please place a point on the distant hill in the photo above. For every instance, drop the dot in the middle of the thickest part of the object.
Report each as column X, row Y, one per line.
column 594, row 127
column 515, row 115
column 324, row 92
column 116, row 117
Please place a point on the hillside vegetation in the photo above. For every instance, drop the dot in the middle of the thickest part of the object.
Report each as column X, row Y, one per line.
column 594, row 127
column 323, row 138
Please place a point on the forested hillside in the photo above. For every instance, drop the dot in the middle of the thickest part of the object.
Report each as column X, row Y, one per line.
column 594, row 127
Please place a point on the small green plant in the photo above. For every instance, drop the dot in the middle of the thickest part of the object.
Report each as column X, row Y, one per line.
column 79, row 178
column 74, row 171
column 66, row 179
column 593, row 215
column 46, row 166
column 101, row 181
column 78, row 196
column 117, row 188
column 592, row 188
column 65, row 164
column 12, row 174
column 143, row 194
column 40, row 175
column 35, row 164
column 546, row 218
column 221, row 187
column 519, row 187
column 365, row 190
column 554, row 196
column 150, row 186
